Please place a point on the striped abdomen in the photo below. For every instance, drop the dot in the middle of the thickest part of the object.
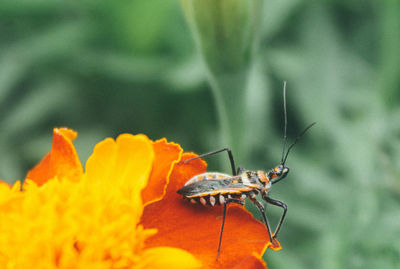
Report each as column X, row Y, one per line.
column 215, row 188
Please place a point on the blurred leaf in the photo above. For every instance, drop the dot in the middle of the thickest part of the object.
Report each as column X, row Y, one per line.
column 389, row 76
column 32, row 109
column 141, row 23
column 188, row 75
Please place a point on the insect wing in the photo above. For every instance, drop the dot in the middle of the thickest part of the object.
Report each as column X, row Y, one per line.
column 208, row 176
column 202, row 185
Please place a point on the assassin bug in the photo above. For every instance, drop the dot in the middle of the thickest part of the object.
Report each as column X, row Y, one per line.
column 214, row 188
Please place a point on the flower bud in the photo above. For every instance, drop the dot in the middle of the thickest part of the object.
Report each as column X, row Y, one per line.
column 225, row 31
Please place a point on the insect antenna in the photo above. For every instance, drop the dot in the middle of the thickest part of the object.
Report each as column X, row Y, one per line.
column 285, row 128
column 296, row 140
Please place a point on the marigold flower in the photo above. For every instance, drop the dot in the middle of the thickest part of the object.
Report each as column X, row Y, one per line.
column 65, row 218
column 122, row 212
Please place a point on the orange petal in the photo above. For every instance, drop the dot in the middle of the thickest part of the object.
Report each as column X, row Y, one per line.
column 166, row 155
column 252, row 262
column 196, row 228
column 62, row 161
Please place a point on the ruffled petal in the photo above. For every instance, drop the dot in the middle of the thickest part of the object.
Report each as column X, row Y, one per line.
column 122, row 164
column 8, row 193
column 166, row 155
column 62, row 161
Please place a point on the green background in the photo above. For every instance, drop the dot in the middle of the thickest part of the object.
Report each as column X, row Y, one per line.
column 109, row 67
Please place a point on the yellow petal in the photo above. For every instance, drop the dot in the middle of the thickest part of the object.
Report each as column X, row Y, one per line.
column 100, row 165
column 8, row 194
column 122, row 164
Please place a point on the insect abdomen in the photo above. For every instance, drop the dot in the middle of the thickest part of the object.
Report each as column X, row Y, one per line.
column 211, row 200
column 219, row 198
column 215, row 189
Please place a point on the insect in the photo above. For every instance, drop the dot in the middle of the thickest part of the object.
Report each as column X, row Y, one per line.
column 214, row 188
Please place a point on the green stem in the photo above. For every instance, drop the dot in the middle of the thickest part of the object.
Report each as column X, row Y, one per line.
column 229, row 92
column 226, row 33
column 390, row 68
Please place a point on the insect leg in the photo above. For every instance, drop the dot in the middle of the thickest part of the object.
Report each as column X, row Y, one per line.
column 280, row 204
column 227, row 201
column 215, row 152
column 262, row 210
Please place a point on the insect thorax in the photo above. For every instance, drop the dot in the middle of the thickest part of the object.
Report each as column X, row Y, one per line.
column 257, row 179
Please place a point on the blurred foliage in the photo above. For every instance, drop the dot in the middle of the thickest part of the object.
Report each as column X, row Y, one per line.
column 107, row 67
